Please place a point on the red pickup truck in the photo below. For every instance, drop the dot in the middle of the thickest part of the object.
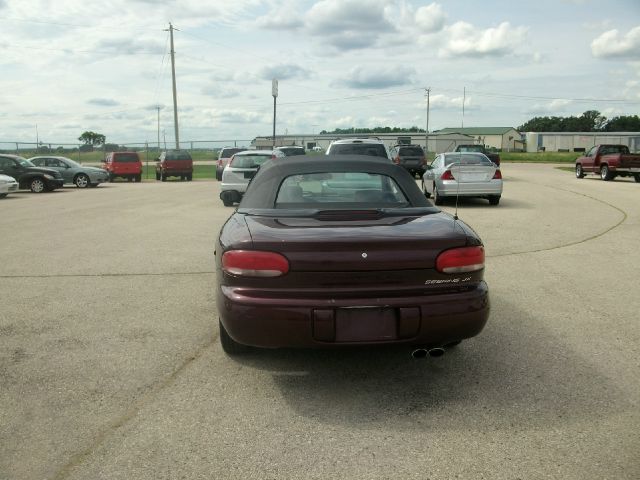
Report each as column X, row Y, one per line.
column 609, row 161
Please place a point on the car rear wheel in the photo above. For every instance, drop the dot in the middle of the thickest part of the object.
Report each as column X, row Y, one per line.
column 163, row 177
column 494, row 199
column 229, row 345
column 605, row 173
column 81, row 181
column 579, row 171
column 189, row 177
column 424, row 190
column 2, row 195
column 637, row 177
column 437, row 198
column 37, row 185
column 138, row 178
column 227, row 199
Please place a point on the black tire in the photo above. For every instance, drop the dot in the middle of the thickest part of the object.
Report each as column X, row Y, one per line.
column 579, row 171
column 227, row 199
column 37, row 185
column 2, row 195
column 437, row 199
column 636, row 177
column 157, row 175
column 138, row 178
column 494, row 199
column 424, row 190
column 81, row 180
column 111, row 177
column 218, row 175
column 189, row 177
column 605, row 173
column 163, row 177
column 229, row 345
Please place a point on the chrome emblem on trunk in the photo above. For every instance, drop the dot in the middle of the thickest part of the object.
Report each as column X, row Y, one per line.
column 364, row 254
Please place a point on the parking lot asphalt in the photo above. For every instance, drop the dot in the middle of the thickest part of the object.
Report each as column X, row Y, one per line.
column 110, row 366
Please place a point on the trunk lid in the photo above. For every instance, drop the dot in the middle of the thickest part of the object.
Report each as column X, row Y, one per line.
column 368, row 242
column 473, row 173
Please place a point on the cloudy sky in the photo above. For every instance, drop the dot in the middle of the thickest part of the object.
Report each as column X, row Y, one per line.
column 73, row 65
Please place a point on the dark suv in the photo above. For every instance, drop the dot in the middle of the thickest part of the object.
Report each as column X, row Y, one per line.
column 411, row 157
column 174, row 163
column 36, row 179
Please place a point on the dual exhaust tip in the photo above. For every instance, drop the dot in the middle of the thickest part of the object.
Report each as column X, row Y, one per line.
column 424, row 352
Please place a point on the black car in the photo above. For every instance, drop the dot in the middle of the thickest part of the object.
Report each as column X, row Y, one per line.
column 36, row 179
column 411, row 158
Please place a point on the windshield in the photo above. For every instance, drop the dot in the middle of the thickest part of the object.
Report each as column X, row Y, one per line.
column 178, row 156
column 340, row 190
column 415, row 151
column 470, row 148
column 371, row 149
column 290, row 151
column 230, row 152
column 24, row 162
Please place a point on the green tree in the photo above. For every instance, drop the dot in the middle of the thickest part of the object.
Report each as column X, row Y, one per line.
column 625, row 123
column 92, row 138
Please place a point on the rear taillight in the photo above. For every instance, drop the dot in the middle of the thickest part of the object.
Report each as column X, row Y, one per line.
column 460, row 260
column 447, row 175
column 397, row 160
column 497, row 175
column 273, row 156
column 250, row 263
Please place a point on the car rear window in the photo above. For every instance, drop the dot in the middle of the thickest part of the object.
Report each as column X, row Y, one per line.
column 249, row 161
column 230, row 152
column 467, row 159
column 178, row 156
column 336, row 189
column 371, row 149
column 126, row 158
column 290, row 151
column 470, row 148
column 413, row 151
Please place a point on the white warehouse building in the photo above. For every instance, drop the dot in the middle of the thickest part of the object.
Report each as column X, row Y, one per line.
column 579, row 141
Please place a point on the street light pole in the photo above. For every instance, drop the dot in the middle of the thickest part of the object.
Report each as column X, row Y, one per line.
column 274, row 92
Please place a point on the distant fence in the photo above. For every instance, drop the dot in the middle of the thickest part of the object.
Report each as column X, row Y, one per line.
column 84, row 153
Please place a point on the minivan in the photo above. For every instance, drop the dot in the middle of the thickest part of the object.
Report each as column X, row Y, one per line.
column 174, row 163
column 125, row 165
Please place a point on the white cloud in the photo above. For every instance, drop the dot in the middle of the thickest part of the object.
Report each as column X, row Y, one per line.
column 467, row 40
column 430, row 19
column 554, row 107
column 612, row 44
column 378, row 78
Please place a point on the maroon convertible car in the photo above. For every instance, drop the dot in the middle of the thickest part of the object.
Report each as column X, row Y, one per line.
column 346, row 251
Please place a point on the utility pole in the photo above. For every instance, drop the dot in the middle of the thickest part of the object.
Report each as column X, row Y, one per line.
column 274, row 92
column 464, row 97
column 158, row 107
column 175, row 98
column 426, row 133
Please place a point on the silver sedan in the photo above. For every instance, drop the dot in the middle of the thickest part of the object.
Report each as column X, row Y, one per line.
column 454, row 174
column 81, row 176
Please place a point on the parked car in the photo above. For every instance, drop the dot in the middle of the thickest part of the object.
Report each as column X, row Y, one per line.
column 291, row 150
column 28, row 176
column 301, row 265
column 125, row 165
column 464, row 175
column 223, row 159
column 81, row 176
column 360, row 146
column 411, row 158
column 477, row 148
column 609, row 161
column 174, row 163
column 7, row 185
column 240, row 170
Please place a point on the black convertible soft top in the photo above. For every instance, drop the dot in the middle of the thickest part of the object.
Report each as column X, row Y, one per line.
column 263, row 189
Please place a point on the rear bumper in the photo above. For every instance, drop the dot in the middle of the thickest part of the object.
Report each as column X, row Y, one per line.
column 451, row 188
column 433, row 320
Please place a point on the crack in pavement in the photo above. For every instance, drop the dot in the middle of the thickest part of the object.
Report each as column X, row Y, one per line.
column 119, row 422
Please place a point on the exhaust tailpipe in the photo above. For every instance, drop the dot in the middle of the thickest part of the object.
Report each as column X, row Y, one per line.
column 436, row 352
column 419, row 353
column 423, row 352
